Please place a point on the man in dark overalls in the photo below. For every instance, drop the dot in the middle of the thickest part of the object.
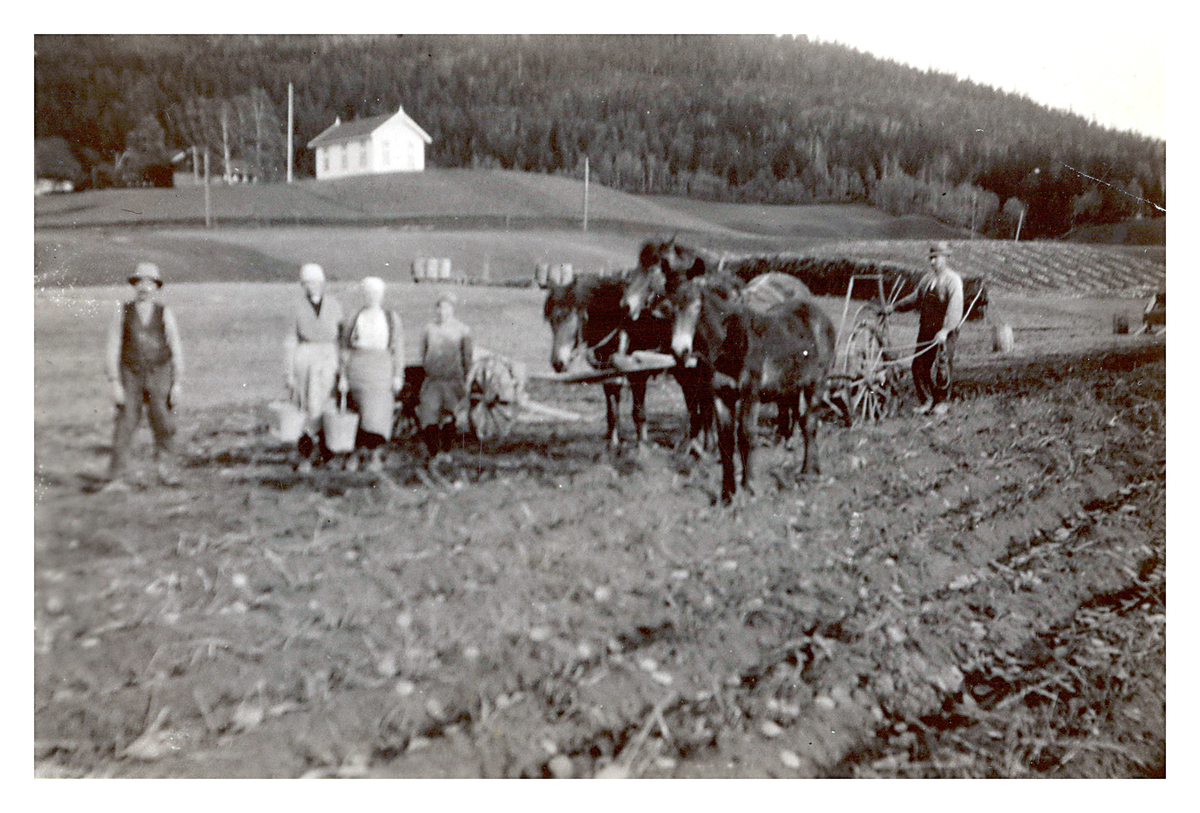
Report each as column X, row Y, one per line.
column 144, row 367
column 939, row 297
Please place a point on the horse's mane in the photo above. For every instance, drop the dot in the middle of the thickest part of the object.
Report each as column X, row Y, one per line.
column 676, row 260
column 722, row 285
column 584, row 291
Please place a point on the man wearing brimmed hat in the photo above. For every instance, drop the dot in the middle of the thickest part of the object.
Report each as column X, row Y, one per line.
column 144, row 367
column 311, row 357
column 447, row 353
column 939, row 296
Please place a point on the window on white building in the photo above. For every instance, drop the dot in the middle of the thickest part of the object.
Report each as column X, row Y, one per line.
column 384, row 158
column 363, row 152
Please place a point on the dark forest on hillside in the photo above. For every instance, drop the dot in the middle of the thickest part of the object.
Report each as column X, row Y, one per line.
column 734, row 118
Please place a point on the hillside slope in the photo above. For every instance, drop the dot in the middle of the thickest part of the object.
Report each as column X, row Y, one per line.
column 438, row 197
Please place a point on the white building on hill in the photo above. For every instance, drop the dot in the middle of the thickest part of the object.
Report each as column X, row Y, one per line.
column 392, row 142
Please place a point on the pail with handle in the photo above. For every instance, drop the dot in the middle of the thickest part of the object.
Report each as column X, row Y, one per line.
column 1002, row 338
column 341, row 427
column 285, row 421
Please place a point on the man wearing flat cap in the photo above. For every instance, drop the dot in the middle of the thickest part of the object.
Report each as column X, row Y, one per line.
column 447, row 353
column 939, row 297
column 311, row 357
column 144, row 367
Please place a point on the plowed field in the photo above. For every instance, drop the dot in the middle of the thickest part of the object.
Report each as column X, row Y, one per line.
column 980, row 594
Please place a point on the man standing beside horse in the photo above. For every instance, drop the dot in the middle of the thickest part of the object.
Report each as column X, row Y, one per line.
column 939, row 297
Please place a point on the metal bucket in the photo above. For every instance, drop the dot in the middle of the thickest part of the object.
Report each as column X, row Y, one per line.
column 341, row 428
column 286, row 421
column 541, row 274
column 1002, row 338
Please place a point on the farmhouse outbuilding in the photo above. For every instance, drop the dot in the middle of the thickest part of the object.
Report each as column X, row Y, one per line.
column 392, row 142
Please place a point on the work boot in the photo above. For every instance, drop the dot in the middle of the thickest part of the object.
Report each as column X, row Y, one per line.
column 375, row 462
column 430, row 435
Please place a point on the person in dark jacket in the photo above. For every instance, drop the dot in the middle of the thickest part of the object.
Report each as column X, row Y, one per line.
column 447, row 354
column 939, row 297
column 144, row 368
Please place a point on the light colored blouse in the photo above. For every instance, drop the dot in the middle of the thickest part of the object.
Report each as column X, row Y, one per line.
column 370, row 331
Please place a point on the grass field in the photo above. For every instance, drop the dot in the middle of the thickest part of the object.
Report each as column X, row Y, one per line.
column 491, row 225
column 497, row 226
column 442, row 196
column 97, row 257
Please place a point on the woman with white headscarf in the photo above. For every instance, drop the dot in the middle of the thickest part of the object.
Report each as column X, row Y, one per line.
column 373, row 371
column 311, row 357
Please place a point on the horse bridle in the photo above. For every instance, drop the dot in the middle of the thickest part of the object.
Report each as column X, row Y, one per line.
column 582, row 347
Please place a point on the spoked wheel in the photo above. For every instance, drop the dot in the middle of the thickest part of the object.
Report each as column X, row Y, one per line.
column 492, row 420
column 869, row 388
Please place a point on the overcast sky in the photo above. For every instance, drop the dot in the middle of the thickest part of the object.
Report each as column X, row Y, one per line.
column 1106, row 62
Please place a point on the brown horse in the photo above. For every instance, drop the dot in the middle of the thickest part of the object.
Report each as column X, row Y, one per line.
column 662, row 269
column 782, row 355
column 586, row 319
column 662, row 266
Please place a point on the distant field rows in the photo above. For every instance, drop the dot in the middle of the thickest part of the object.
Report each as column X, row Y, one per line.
column 1068, row 268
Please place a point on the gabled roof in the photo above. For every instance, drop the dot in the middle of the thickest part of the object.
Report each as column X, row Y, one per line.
column 347, row 130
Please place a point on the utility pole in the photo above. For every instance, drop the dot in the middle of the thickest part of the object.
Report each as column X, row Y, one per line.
column 225, row 140
column 207, row 202
column 1020, row 220
column 289, row 135
column 585, row 191
column 258, row 117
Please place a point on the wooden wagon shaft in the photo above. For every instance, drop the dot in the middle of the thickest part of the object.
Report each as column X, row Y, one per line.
column 644, row 362
column 549, row 411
